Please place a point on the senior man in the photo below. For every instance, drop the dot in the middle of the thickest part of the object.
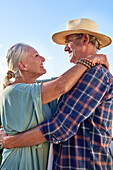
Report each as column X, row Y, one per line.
column 81, row 126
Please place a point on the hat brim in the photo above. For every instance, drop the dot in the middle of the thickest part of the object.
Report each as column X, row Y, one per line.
column 59, row 37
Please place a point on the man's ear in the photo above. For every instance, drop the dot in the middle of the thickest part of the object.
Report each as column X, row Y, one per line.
column 85, row 39
column 21, row 66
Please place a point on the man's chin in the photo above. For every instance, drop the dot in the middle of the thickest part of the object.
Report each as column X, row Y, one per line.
column 72, row 60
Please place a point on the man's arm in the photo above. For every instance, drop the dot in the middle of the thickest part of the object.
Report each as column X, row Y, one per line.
column 28, row 138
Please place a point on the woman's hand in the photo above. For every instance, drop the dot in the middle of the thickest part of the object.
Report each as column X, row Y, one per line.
column 99, row 59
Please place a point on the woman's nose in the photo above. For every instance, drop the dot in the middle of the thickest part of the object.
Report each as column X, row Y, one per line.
column 42, row 58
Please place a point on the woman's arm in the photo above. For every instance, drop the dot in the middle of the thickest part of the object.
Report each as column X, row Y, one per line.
column 54, row 89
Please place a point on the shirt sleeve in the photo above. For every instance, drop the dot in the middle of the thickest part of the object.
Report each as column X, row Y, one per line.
column 76, row 106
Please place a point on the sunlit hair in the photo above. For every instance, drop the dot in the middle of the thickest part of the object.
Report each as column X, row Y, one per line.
column 92, row 39
column 14, row 55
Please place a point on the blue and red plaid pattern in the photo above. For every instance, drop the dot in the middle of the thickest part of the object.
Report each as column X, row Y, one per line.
column 81, row 126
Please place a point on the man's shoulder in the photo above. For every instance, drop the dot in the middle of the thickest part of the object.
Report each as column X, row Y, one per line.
column 100, row 73
column 99, row 69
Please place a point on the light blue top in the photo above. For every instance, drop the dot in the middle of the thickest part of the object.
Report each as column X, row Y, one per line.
column 21, row 109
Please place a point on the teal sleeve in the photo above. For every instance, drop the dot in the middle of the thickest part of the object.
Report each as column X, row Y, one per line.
column 21, row 107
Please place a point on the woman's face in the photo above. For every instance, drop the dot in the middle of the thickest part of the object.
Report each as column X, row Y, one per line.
column 34, row 62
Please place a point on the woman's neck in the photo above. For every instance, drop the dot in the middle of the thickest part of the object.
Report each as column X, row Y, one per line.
column 27, row 80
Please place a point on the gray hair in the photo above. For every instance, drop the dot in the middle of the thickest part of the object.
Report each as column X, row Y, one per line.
column 14, row 55
column 92, row 39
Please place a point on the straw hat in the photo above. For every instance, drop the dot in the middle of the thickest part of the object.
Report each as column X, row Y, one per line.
column 84, row 26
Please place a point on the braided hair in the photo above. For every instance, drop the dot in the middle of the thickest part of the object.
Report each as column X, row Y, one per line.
column 14, row 55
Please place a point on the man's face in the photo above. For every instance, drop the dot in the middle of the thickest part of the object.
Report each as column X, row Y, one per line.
column 75, row 47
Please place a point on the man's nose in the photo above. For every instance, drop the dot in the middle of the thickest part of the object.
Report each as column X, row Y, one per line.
column 66, row 48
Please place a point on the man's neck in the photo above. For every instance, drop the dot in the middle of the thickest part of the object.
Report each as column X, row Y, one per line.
column 91, row 50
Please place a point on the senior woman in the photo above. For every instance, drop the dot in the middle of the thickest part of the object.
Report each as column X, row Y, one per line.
column 22, row 99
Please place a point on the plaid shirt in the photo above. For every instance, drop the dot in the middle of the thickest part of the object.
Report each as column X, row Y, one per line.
column 81, row 126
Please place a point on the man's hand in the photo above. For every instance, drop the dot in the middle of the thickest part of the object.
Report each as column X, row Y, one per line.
column 31, row 137
column 5, row 140
column 2, row 136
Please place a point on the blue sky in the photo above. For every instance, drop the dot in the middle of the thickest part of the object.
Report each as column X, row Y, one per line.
column 34, row 21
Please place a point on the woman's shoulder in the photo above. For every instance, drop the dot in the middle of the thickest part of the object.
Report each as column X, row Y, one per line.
column 21, row 90
column 18, row 87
